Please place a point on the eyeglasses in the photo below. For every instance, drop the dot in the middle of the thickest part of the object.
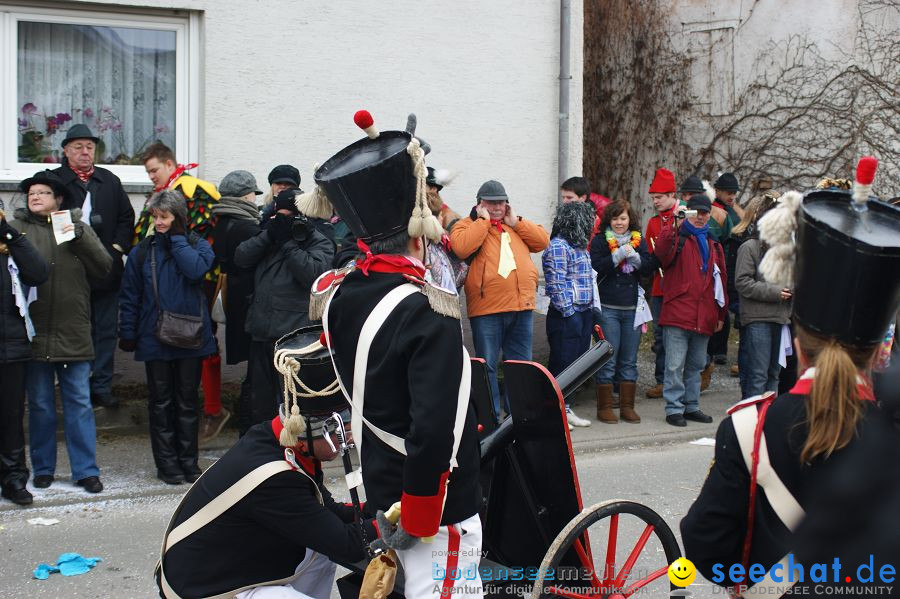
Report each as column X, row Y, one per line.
column 38, row 194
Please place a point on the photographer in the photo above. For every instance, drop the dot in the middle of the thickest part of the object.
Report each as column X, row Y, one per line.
column 694, row 306
column 286, row 256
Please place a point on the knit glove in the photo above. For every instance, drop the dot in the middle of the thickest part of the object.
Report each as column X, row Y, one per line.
column 619, row 255
column 177, row 227
column 393, row 536
column 633, row 259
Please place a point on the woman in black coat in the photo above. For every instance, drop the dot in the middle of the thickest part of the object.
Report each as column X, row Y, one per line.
column 22, row 269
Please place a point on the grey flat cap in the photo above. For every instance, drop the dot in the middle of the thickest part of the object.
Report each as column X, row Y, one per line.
column 237, row 184
column 492, row 191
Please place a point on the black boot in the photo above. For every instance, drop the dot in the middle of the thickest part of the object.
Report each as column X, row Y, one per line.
column 161, row 384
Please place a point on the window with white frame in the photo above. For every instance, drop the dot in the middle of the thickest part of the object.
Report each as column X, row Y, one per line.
column 130, row 78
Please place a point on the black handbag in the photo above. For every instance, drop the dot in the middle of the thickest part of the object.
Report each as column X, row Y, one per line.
column 178, row 330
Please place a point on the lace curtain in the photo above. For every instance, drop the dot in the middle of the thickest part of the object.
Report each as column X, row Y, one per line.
column 118, row 81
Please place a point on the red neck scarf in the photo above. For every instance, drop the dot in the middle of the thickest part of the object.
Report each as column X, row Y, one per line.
column 85, row 176
column 406, row 265
column 179, row 170
column 805, row 382
column 307, row 462
column 498, row 224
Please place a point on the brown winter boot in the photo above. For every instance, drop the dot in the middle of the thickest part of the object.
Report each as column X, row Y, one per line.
column 706, row 376
column 604, row 405
column 626, row 403
column 655, row 392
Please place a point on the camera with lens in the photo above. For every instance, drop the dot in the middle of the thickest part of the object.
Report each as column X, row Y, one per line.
column 686, row 213
column 300, row 227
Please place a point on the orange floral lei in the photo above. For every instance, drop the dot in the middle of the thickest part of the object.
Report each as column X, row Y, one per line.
column 614, row 245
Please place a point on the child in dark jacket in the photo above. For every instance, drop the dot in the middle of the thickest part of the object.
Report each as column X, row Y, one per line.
column 620, row 257
column 567, row 276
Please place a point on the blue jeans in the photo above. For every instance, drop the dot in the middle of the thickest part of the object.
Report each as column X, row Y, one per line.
column 568, row 336
column 761, row 340
column 618, row 328
column 685, row 358
column 659, row 347
column 506, row 331
column 78, row 417
column 104, row 325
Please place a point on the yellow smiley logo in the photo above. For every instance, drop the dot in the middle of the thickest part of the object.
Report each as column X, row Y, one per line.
column 682, row 572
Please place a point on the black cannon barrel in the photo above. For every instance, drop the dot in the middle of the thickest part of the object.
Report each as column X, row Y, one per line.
column 568, row 380
column 581, row 369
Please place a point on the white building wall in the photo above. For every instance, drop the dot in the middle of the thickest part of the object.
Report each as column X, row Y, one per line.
column 282, row 79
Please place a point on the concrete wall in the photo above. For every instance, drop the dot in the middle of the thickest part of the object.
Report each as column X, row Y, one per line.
column 282, row 79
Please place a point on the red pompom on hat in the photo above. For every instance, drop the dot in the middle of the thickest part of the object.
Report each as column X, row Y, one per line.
column 865, row 170
column 364, row 121
column 663, row 181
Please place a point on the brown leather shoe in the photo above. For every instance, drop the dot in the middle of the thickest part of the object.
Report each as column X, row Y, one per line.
column 626, row 402
column 706, row 376
column 654, row 392
column 605, row 412
column 735, row 371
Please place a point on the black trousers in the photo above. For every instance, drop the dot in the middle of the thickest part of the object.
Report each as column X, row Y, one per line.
column 13, row 472
column 174, row 413
column 718, row 343
column 265, row 392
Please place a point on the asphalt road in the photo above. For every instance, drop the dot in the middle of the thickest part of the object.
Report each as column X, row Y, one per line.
column 124, row 525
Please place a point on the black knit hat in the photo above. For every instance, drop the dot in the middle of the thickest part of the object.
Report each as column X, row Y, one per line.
column 285, row 173
column 727, row 182
column 699, row 201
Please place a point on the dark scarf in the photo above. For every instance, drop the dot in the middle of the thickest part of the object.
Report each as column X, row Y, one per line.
column 700, row 234
column 237, row 208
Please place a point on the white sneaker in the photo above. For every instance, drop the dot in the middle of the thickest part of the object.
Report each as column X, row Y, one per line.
column 571, row 428
column 575, row 419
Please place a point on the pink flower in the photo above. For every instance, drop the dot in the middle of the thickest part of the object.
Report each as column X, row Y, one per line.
column 22, row 123
column 29, row 108
column 116, row 125
column 161, row 129
column 88, row 113
column 62, row 117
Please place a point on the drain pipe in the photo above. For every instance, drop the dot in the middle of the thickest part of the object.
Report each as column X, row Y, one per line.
column 565, row 78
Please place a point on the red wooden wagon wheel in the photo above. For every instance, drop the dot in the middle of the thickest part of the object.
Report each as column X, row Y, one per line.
column 621, row 529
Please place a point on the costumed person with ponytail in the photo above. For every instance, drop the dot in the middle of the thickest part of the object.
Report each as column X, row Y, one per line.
column 773, row 453
column 199, row 196
column 260, row 523
column 398, row 351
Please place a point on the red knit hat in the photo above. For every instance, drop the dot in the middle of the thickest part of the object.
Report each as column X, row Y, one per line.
column 663, row 181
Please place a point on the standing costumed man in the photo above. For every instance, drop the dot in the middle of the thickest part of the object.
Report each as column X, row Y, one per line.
column 200, row 196
column 400, row 359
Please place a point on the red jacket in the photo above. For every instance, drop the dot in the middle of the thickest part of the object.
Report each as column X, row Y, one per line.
column 654, row 226
column 689, row 300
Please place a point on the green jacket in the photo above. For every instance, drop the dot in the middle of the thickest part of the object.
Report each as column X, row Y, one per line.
column 62, row 312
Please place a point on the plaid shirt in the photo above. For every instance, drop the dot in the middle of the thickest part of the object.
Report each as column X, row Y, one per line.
column 568, row 277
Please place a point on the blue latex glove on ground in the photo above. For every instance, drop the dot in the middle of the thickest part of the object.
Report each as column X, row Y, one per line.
column 68, row 564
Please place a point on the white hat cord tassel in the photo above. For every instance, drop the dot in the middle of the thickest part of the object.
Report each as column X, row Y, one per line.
column 777, row 228
column 286, row 363
column 422, row 223
column 314, row 203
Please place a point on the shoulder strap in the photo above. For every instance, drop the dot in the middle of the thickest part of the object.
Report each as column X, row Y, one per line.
column 153, row 276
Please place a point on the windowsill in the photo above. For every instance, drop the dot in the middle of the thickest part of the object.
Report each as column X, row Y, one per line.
column 129, row 187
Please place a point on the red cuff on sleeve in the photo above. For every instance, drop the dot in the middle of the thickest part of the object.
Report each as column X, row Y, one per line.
column 420, row 515
column 375, row 526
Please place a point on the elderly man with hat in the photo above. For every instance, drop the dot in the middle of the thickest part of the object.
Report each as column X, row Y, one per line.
column 502, row 280
column 694, row 306
column 237, row 220
column 106, row 208
column 397, row 345
column 268, row 526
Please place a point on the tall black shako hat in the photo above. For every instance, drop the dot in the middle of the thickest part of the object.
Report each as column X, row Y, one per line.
column 847, row 259
column 310, row 388
column 376, row 185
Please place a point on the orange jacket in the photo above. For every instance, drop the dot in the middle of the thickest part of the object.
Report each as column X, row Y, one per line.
column 486, row 291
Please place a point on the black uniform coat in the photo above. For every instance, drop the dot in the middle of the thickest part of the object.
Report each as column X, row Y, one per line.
column 110, row 203
column 33, row 271
column 713, row 530
column 264, row 537
column 412, row 385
